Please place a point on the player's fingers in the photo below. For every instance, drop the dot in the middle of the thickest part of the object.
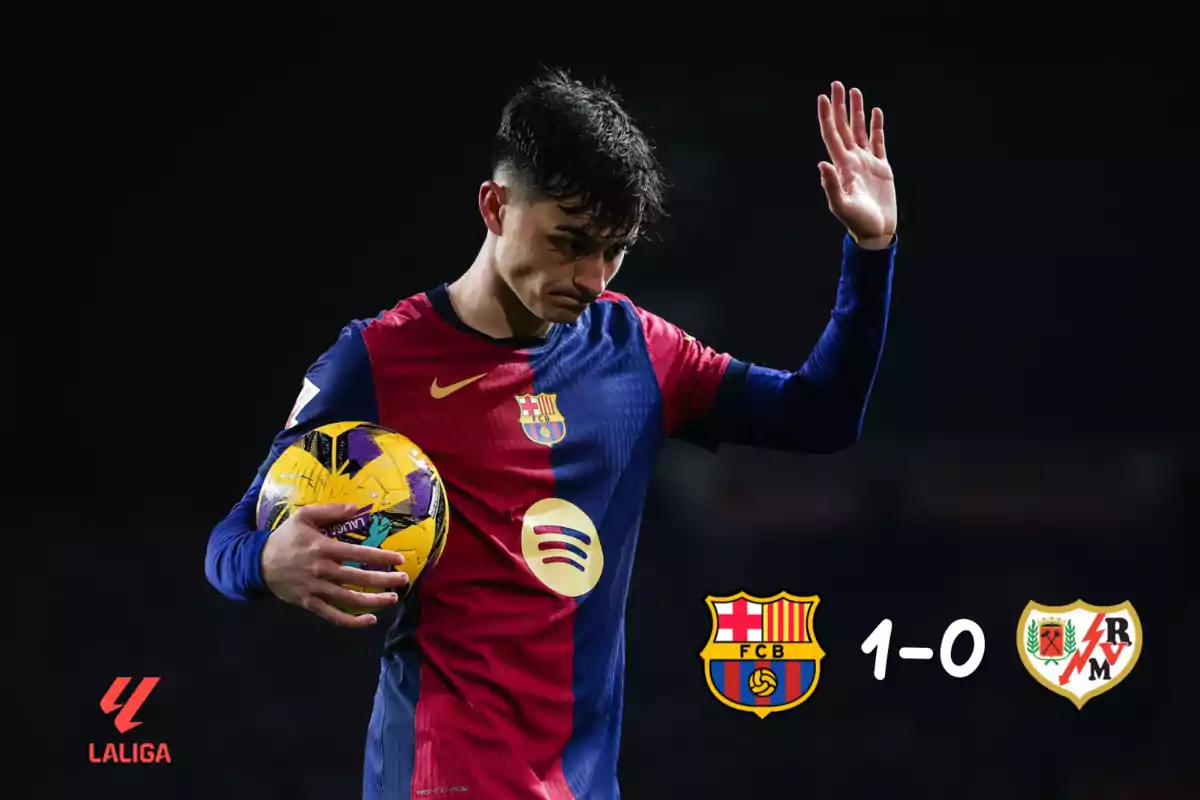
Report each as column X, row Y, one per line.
column 366, row 577
column 323, row 514
column 338, row 617
column 344, row 551
column 349, row 598
column 858, row 121
column 877, row 146
column 829, row 134
column 842, row 121
column 832, row 185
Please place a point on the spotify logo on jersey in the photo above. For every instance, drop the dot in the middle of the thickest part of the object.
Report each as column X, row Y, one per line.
column 561, row 547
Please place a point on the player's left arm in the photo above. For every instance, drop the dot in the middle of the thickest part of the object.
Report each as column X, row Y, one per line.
column 711, row 398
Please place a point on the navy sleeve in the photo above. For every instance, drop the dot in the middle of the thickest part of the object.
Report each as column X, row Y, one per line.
column 820, row 407
column 339, row 387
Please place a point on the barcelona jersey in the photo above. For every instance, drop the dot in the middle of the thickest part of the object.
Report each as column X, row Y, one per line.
column 502, row 674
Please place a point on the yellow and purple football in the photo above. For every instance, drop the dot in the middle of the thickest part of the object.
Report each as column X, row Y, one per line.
column 400, row 495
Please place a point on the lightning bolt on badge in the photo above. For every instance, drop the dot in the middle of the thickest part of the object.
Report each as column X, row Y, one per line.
column 1079, row 650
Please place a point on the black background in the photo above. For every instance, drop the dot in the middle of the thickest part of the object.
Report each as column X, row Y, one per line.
column 211, row 201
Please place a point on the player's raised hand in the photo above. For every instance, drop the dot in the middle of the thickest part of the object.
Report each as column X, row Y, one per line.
column 303, row 566
column 858, row 183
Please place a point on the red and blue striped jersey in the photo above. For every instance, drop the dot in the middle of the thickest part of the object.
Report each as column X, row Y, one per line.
column 502, row 675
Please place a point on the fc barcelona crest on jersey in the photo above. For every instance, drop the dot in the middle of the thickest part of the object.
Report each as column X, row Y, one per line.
column 762, row 655
column 1079, row 650
column 540, row 418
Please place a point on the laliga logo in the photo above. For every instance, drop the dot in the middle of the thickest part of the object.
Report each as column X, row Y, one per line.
column 124, row 722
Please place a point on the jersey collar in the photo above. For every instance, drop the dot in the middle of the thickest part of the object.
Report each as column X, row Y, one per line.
column 439, row 298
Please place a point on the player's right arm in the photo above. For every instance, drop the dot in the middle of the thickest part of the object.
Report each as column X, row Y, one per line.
column 297, row 563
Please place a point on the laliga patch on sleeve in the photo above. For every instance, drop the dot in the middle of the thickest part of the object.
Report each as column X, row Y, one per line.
column 307, row 392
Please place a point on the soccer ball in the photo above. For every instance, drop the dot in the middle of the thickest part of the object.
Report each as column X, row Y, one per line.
column 400, row 496
column 763, row 682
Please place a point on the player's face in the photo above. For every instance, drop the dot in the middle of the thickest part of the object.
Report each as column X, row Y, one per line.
column 550, row 263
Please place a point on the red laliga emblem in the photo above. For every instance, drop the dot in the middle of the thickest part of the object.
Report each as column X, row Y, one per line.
column 124, row 722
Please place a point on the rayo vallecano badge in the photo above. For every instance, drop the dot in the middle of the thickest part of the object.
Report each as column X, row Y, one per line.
column 1079, row 650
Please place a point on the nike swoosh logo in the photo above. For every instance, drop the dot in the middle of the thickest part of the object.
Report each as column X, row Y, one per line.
column 438, row 392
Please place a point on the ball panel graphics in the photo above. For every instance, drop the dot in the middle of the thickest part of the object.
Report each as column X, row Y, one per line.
column 400, row 496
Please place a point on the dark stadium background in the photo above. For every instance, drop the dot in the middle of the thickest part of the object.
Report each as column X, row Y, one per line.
column 212, row 201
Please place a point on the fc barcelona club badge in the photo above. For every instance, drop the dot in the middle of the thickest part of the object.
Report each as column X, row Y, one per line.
column 540, row 418
column 1079, row 650
column 762, row 655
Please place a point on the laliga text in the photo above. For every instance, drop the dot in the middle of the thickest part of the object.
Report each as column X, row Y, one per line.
column 130, row 753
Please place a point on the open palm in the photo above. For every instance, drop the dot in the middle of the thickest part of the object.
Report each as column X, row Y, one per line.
column 859, row 183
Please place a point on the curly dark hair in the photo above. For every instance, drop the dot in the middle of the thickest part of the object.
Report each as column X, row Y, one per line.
column 562, row 140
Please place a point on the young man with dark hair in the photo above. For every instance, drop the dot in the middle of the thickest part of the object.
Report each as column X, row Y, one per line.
column 543, row 398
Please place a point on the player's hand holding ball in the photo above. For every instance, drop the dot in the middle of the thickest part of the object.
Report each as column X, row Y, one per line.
column 301, row 565
column 357, row 512
column 859, row 183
